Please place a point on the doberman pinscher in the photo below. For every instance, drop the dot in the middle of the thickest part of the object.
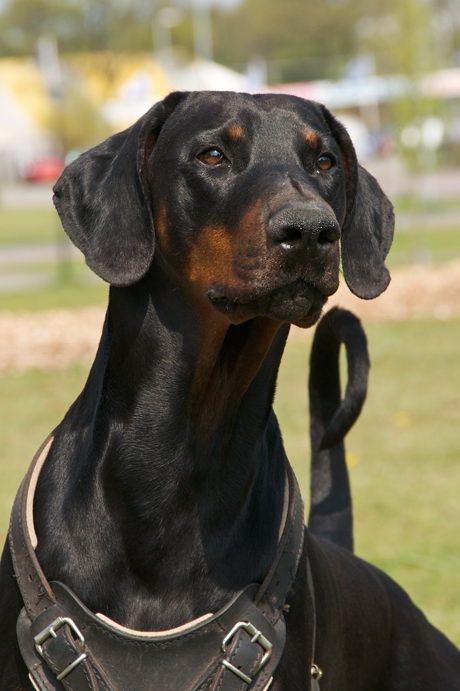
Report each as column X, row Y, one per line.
column 216, row 219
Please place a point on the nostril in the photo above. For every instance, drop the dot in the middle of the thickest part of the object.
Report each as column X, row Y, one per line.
column 327, row 236
column 303, row 228
column 286, row 234
column 289, row 235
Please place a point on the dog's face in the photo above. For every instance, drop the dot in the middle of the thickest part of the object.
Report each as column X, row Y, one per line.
column 247, row 197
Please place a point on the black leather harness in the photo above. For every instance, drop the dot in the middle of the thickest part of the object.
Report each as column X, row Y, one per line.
column 65, row 646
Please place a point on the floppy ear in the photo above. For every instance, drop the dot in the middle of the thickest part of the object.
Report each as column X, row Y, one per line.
column 367, row 230
column 103, row 199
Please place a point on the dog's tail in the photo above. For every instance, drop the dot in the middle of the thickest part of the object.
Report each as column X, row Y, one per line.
column 331, row 418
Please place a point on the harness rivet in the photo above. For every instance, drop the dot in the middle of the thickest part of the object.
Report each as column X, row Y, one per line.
column 316, row 672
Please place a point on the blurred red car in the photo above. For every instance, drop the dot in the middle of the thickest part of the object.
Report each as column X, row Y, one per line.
column 44, row 169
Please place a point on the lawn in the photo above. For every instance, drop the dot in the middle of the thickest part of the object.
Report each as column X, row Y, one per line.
column 424, row 245
column 23, row 226
column 58, row 294
column 403, row 454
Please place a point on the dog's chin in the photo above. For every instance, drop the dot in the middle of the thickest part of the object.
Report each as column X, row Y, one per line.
column 297, row 303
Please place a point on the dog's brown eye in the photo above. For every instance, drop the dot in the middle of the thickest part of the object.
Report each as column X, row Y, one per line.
column 325, row 162
column 211, row 157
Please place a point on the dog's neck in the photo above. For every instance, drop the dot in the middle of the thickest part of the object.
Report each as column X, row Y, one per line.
column 178, row 458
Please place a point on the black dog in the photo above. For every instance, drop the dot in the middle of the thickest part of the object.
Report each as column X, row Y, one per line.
column 162, row 494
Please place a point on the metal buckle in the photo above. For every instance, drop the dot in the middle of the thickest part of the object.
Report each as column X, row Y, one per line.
column 258, row 638
column 50, row 632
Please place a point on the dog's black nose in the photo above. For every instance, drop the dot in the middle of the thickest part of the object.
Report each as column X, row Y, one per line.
column 303, row 227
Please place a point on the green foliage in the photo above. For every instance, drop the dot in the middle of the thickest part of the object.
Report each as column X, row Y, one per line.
column 399, row 34
column 78, row 25
column 298, row 38
column 22, row 22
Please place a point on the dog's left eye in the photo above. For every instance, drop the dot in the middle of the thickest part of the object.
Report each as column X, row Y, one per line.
column 212, row 157
column 325, row 162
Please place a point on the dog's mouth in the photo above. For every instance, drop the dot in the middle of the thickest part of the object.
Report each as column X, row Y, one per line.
column 298, row 303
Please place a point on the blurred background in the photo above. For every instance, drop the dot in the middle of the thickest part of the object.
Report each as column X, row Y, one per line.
column 74, row 71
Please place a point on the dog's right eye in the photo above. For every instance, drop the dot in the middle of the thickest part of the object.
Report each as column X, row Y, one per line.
column 212, row 157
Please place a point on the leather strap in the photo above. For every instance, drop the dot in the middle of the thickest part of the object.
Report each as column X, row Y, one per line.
column 61, row 648
column 35, row 589
column 65, row 646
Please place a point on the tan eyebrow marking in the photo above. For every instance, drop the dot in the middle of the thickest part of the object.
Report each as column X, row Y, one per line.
column 312, row 138
column 234, row 131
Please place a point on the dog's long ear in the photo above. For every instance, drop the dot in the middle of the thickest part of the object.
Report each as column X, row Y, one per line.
column 103, row 199
column 367, row 230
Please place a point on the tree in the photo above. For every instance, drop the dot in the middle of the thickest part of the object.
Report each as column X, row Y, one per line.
column 78, row 25
column 299, row 39
column 22, row 22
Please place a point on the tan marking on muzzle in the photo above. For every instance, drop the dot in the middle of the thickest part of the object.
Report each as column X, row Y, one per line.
column 251, row 221
column 210, row 257
column 217, row 250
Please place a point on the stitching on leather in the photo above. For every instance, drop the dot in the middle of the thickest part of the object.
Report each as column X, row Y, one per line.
column 300, row 549
column 38, row 669
column 35, row 577
column 144, row 644
column 15, row 562
column 99, row 678
column 83, row 667
column 231, row 657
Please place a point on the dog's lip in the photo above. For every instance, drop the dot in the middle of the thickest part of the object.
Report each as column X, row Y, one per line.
column 226, row 300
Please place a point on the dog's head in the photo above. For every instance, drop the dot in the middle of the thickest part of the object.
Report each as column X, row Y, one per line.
column 246, row 197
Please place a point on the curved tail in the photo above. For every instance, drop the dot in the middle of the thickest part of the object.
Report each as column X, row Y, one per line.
column 331, row 418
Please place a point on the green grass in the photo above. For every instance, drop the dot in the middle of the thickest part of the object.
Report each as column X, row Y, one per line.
column 22, row 226
column 425, row 245
column 31, row 403
column 404, row 453
column 404, row 458
column 59, row 294
column 411, row 203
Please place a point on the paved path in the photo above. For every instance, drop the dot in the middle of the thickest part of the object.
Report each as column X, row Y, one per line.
column 37, row 253
column 24, row 256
